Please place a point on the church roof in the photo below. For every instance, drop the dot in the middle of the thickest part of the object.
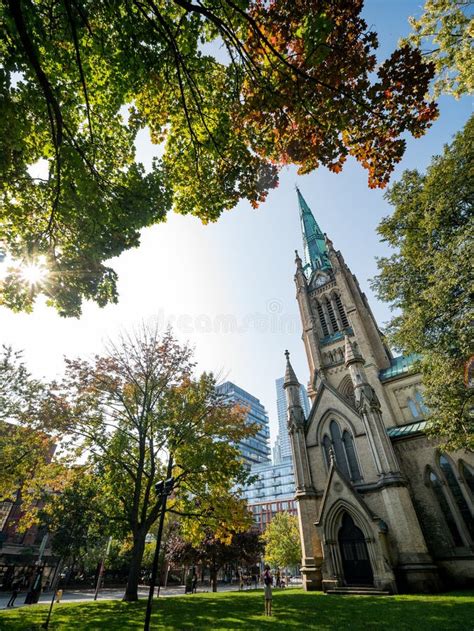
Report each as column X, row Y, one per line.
column 315, row 249
column 406, row 430
column 399, row 366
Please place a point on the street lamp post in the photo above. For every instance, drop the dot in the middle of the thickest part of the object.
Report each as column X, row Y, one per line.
column 163, row 489
column 54, row 587
column 102, row 568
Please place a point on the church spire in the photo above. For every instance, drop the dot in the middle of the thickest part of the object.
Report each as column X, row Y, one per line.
column 290, row 377
column 315, row 248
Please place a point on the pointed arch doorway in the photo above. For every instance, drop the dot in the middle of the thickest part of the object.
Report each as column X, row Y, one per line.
column 354, row 554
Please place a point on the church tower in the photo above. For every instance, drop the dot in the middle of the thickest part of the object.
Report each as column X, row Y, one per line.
column 358, row 524
column 332, row 306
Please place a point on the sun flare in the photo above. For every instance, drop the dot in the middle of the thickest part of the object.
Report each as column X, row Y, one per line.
column 33, row 273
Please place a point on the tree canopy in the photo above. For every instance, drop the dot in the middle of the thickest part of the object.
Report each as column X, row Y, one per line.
column 429, row 281
column 445, row 32
column 126, row 414
column 230, row 90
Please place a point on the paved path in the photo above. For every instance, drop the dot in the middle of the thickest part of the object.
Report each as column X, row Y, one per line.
column 81, row 595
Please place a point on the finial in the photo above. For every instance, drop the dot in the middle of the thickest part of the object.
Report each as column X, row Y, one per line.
column 328, row 241
column 287, row 355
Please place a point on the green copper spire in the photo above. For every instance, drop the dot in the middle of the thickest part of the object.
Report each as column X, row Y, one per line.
column 315, row 251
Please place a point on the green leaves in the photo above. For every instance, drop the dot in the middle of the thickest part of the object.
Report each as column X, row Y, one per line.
column 429, row 279
column 282, row 541
column 446, row 31
column 80, row 79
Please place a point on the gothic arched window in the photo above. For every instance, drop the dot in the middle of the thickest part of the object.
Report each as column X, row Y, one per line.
column 413, row 408
column 322, row 320
column 445, row 508
column 456, row 492
column 344, row 452
column 348, row 443
column 338, row 447
column 342, row 313
column 332, row 316
column 468, row 474
column 420, row 402
column 327, row 449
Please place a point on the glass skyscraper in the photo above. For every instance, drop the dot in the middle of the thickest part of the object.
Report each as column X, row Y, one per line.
column 255, row 449
column 272, row 492
column 283, row 447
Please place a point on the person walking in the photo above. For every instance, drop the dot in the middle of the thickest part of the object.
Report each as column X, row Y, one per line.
column 254, row 577
column 278, row 578
column 16, row 584
column 267, row 589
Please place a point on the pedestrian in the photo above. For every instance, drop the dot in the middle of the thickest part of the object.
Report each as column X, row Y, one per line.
column 16, row 584
column 278, row 578
column 267, row 589
column 254, row 578
column 195, row 582
column 241, row 581
column 59, row 595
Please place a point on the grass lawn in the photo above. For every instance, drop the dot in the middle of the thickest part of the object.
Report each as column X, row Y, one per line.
column 293, row 609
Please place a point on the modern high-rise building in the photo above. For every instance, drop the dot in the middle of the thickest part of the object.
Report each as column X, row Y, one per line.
column 282, row 445
column 274, row 489
column 255, row 449
column 272, row 492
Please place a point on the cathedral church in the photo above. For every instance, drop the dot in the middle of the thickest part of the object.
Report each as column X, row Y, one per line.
column 380, row 507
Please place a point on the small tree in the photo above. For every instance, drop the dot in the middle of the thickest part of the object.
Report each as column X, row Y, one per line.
column 282, row 541
column 213, row 552
column 74, row 514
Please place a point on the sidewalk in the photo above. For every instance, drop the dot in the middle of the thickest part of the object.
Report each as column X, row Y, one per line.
column 82, row 595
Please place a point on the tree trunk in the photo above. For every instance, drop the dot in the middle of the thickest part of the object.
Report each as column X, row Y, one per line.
column 213, row 578
column 131, row 591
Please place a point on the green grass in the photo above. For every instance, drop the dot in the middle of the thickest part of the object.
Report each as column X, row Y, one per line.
column 293, row 609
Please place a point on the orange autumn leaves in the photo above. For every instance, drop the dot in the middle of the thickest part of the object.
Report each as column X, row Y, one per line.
column 318, row 95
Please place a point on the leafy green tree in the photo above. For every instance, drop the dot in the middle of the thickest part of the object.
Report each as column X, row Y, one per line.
column 74, row 515
column 429, row 281
column 80, row 79
column 446, row 30
column 23, row 447
column 282, row 541
column 137, row 407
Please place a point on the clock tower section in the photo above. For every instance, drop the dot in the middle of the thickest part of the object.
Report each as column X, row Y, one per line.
column 332, row 306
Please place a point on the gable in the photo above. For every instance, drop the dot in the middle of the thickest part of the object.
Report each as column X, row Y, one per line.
column 330, row 403
column 339, row 494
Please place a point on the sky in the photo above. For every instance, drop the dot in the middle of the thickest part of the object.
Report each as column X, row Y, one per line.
column 228, row 287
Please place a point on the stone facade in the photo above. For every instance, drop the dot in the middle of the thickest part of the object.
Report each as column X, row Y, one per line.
column 378, row 504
